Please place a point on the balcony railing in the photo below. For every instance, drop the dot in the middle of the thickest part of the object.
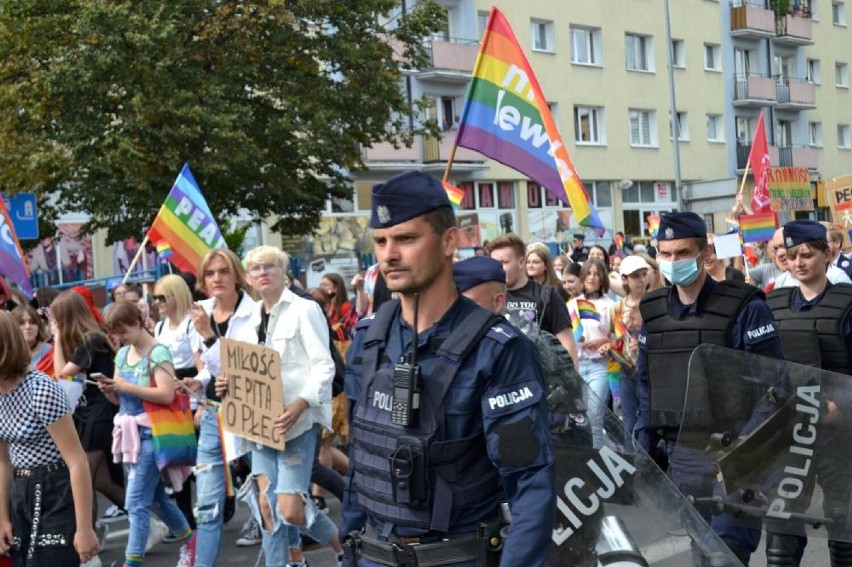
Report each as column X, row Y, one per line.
column 795, row 29
column 743, row 150
column 751, row 19
column 425, row 149
column 754, row 88
column 452, row 60
column 783, row 156
column 795, row 93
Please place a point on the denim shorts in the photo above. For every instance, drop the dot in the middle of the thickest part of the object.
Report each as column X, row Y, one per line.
column 43, row 520
column 290, row 469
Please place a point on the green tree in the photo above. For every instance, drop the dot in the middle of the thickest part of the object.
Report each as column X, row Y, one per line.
column 102, row 101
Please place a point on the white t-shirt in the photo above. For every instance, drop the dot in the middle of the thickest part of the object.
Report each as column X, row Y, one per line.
column 180, row 341
column 835, row 275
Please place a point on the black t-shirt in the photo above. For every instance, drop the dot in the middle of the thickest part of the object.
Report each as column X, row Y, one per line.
column 550, row 313
column 93, row 355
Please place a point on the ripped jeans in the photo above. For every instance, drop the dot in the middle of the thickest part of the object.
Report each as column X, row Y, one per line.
column 210, row 487
column 288, row 472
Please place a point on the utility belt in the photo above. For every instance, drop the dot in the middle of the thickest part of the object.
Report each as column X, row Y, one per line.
column 484, row 547
column 40, row 471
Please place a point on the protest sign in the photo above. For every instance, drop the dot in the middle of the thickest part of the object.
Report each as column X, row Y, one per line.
column 790, row 189
column 255, row 395
column 838, row 195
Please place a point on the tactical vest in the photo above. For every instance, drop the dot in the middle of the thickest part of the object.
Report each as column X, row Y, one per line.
column 670, row 343
column 442, row 477
column 814, row 337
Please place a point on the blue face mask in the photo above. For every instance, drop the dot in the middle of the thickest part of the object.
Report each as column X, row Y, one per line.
column 680, row 272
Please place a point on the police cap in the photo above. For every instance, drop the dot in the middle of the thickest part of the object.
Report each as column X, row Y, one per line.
column 477, row 270
column 405, row 196
column 674, row 226
column 798, row 231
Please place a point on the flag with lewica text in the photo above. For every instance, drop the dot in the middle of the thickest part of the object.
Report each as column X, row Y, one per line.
column 12, row 264
column 760, row 163
column 506, row 118
column 184, row 229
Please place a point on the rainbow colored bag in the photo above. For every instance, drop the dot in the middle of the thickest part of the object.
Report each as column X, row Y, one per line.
column 172, row 429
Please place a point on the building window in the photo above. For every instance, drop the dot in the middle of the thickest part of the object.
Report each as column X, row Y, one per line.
column 553, row 107
column 589, row 125
column 841, row 75
column 481, row 22
column 506, row 194
column 643, row 128
column 600, row 193
column 838, row 13
column 715, row 128
column 542, row 34
column 586, row 46
column 815, row 134
column 639, row 52
column 712, row 57
column 678, row 54
column 813, row 72
column 683, row 127
column 843, row 140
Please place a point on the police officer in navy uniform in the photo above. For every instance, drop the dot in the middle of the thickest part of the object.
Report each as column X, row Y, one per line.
column 677, row 319
column 815, row 323
column 420, row 489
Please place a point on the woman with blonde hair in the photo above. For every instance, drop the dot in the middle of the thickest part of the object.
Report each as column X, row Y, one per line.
column 540, row 268
column 173, row 300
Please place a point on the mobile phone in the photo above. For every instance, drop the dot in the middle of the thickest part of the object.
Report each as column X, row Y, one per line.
column 100, row 377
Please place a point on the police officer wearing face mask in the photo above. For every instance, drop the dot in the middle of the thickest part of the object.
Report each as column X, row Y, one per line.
column 693, row 311
column 449, row 415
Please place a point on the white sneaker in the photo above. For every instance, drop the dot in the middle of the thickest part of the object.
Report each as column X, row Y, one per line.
column 93, row 562
column 156, row 533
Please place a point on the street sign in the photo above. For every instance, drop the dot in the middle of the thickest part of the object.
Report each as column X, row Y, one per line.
column 24, row 213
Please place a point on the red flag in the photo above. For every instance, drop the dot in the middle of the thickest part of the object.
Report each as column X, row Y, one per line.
column 759, row 159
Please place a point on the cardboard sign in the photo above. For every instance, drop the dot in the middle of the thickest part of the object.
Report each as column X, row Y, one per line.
column 838, row 195
column 255, row 395
column 728, row 245
column 790, row 189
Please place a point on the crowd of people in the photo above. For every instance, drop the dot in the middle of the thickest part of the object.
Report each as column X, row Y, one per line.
column 376, row 382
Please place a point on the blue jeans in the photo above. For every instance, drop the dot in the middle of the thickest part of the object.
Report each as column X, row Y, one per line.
column 145, row 491
column 629, row 401
column 594, row 375
column 288, row 472
column 210, row 486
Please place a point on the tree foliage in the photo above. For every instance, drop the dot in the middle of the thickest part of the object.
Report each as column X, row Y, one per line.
column 103, row 101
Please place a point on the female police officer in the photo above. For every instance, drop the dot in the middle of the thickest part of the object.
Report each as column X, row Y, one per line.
column 448, row 407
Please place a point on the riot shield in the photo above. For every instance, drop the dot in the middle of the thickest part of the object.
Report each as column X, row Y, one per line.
column 776, row 437
column 614, row 506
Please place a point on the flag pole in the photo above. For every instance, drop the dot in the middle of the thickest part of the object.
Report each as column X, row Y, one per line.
column 450, row 163
column 739, row 194
column 135, row 259
column 745, row 174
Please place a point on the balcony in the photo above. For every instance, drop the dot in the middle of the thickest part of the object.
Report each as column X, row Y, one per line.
column 427, row 152
column 785, row 156
column 795, row 94
column 754, row 91
column 794, row 29
column 794, row 156
column 750, row 19
column 452, row 61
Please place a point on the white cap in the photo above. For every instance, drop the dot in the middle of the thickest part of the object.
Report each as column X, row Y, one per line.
column 632, row 263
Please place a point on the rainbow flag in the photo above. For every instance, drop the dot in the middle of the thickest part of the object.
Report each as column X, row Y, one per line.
column 759, row 227
column 455, row 194
column 587, row 310
column 506, row 118
column 653, row 225
column 185, row 224
column 12, row 264
column 619, row 242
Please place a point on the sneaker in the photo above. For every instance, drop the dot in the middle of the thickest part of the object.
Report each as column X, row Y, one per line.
column 320, row 504
column 187, row 552
column 302, row 563
column 156, row 532
column 114, row 514
column 171, row 537
column 250, row 534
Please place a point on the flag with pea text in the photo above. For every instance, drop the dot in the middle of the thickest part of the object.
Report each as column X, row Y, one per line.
column 185, row 227
column 506, row 118
column 12, row 264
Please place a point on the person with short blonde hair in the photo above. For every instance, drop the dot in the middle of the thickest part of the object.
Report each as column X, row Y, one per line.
column 232, row 262
column 38, row 442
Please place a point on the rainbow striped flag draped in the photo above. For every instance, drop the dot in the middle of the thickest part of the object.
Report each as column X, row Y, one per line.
column 506, row 118
column 185, row 226
column 12, row 264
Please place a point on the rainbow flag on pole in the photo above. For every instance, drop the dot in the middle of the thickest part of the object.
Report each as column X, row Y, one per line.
column 185, row 225
column 12, row 264
column 759, row 227
column 455, row 194
column 653, row 225
column 506, row 118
